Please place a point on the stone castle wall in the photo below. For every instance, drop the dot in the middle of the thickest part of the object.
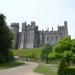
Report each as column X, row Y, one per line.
column 31, row 37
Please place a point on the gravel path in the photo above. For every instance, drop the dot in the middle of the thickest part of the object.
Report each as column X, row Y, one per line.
column 21, row 70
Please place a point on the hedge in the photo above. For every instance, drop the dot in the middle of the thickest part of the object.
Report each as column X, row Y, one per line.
column 70, row 71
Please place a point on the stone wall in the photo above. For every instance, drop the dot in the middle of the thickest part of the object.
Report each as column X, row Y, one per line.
column 31, row 37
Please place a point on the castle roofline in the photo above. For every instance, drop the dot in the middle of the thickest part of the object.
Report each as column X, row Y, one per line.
column 15, row 24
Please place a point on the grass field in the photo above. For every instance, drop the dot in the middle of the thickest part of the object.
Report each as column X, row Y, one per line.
column 47, row 69
column 11, row 64
column 25, row 52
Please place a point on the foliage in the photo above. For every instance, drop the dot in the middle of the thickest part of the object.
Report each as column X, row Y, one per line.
column 73, row 58
column 73, row 46
column 5, row 40
column 11, row 56
column 62, row 67
column 70, row 71
column 28, row 53
column 64, row 48
column 45, row 52
column 11, row 64
column 2, row 59
column 63, row 45
column 67, row 56
column 65, row 70
column 54, row 55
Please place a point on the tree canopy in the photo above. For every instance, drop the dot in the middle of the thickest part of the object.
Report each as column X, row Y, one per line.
column 45, row 52
column 5, row 40
column 73, row 45
column 63, row 45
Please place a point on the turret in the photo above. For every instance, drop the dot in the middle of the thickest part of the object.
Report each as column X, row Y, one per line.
column 66, row 28
column 15, row 30
column 52, row 29
column 22, row 44
column 24, row 26
column 15, row 27
column 33, row 23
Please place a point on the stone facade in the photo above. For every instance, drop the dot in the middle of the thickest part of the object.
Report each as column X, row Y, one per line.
column 15, row 30
column 31, row 37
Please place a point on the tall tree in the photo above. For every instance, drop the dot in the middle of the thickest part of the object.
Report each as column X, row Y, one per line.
column 45, row 52
column 5, row 40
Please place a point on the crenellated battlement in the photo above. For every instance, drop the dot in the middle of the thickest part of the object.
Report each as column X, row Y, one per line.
column 31, row 37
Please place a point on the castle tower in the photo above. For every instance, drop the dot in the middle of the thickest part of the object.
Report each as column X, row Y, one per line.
column 66, row 28
column 15, row 30
column 35, row 35
column 52, row 29
column 22, row 44
column 33, row 23
column 63, row 30
column 33, row 29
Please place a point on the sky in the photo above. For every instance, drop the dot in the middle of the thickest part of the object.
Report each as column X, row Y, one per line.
column 46, row 13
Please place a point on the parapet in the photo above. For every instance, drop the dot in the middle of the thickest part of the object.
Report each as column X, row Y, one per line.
column 32, row 23
column 65, row 23
column 15, row 25
column 24, row 25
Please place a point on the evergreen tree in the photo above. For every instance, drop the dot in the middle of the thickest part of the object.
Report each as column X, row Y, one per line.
column 5, row 40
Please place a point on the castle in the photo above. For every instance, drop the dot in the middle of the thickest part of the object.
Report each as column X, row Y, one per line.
column 31, row 37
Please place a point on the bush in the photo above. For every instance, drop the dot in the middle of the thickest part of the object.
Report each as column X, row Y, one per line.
column 65, row 70
column 70, row 71
column 68, row 56
column 62, row 68
column 54, row 55
column 11, row 56
column 73, row 59
column 2, row 59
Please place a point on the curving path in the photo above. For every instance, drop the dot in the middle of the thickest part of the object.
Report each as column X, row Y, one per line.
column 21, row 70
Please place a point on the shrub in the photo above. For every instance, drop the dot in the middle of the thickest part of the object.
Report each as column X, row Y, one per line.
column 62, row 68
column 68, row 56
column 54, row 55
column 70, row 71
column 2, row 59
column 11, row 56
column 73, row 59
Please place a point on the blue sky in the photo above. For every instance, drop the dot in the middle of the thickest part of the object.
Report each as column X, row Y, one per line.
column 46, row 13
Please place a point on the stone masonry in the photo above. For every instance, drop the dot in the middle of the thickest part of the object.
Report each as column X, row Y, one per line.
column 31, row 37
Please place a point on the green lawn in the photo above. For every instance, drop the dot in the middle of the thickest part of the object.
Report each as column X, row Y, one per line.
column 11, row 64
column 33, row 54
column 24, row 52
column 47, row 69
